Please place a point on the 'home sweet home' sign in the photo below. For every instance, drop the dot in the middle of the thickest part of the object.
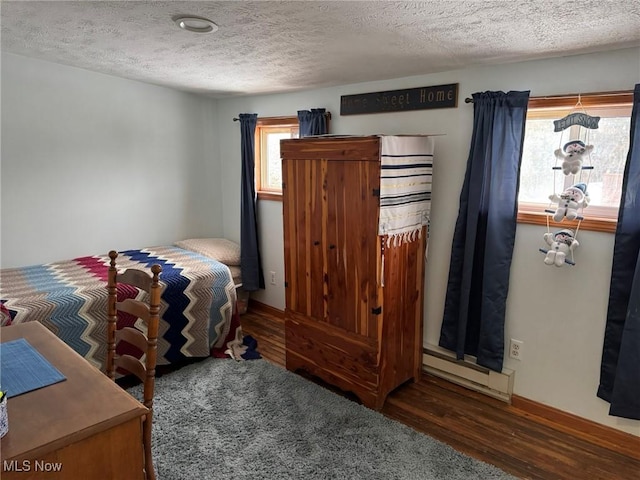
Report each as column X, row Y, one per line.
column 421, row 98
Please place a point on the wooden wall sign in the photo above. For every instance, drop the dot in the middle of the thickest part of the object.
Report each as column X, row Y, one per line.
column 421, row 98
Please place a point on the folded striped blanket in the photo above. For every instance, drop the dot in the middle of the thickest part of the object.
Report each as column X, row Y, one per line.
column 405, row 186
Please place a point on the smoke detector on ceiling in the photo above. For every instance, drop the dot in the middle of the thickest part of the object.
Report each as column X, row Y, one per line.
column 196, row 24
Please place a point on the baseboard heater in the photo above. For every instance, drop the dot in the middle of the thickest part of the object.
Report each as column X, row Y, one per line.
column 467, row 373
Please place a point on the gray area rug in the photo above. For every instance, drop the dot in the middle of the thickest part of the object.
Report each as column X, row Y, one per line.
column 222, row 419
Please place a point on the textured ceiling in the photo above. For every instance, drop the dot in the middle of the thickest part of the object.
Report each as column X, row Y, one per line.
column 268, row 46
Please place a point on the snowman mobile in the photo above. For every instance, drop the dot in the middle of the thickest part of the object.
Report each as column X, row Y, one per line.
column 571, row 202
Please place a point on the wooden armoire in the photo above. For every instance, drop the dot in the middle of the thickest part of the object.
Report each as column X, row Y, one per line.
column 354, row 305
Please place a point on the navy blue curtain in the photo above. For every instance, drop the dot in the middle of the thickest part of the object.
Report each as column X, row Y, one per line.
column 312, row 122
column 484, row 235
column 250, row 265
column 620, row 369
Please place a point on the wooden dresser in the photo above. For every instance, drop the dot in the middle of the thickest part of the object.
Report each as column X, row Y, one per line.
column 84, row 427
column 351, row 318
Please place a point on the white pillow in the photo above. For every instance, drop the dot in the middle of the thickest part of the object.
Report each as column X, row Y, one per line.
column 220, row 249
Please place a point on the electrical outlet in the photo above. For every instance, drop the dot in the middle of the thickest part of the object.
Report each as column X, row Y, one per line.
column 515, row 349
column 273, row 278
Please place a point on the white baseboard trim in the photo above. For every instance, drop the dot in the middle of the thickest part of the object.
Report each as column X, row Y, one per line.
column 467, row 373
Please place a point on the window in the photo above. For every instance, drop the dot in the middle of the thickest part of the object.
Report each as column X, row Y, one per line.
column 269, row 132
column 538, row 179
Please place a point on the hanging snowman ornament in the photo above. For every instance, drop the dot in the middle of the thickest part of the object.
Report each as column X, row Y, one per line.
column 570, row 201
column 572, row 156
column 561, row 245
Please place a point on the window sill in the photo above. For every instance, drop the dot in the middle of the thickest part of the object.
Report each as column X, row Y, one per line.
column 273, row 196
column 596, row 224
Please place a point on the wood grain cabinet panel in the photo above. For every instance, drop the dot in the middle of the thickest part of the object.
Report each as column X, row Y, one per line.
column 354, row 305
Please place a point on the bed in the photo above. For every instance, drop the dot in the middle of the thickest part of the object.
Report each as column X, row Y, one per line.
column 70, row 298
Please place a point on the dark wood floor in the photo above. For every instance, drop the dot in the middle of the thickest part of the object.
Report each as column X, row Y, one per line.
column 513, row 439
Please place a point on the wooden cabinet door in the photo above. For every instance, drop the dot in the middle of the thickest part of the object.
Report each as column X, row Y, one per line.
column 351, row 245
column 330, row 212
column 302, row 203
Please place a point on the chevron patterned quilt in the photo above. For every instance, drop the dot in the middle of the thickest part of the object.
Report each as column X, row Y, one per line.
column 70, row 298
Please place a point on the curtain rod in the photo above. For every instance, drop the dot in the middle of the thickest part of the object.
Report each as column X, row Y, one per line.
column 326, row 114
column 571, row 96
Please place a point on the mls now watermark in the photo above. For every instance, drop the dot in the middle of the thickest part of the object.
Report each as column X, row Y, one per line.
column 31, row 466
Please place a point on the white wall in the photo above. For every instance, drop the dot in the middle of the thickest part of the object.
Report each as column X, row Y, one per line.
column 92, row 162
column 559, row 314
